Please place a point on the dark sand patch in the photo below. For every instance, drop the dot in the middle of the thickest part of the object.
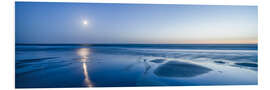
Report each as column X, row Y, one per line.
column 247, row 64
column 158, row 60
column 18, row 66
column 34, row 60
column 180, row 69
column 42, row 68
column 220, row 62
column 27, row 62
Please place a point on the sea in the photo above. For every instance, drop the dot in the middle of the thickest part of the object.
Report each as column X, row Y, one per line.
column 131, row 65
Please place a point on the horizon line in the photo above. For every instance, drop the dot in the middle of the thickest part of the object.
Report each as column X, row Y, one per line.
column 130, row 43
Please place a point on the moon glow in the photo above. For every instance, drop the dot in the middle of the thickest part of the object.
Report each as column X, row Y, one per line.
column 85, row 22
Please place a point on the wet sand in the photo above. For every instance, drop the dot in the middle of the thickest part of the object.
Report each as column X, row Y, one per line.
column 180, row 69
column 84, row 66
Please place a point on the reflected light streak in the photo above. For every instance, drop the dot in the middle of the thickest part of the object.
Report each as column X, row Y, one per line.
column 86, row 78
column 84, row 52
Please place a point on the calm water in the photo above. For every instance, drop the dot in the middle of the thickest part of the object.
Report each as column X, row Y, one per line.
column 114, row 65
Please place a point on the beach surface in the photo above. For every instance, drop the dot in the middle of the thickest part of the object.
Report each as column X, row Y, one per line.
column 125, row 65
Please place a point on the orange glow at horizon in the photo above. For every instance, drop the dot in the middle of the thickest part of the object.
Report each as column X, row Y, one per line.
column 207, row 42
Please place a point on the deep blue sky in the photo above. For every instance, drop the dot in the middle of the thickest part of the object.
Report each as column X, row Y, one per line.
column 134, row 23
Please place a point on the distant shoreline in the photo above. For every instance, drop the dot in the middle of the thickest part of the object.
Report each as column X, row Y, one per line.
column 112, row 44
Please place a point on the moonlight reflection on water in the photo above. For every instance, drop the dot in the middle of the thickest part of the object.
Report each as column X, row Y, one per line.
column 84, row 52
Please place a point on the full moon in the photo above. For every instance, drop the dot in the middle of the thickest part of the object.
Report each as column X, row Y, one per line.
column 85, row 22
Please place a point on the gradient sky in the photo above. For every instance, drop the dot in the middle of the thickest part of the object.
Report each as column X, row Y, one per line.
column 134, row 23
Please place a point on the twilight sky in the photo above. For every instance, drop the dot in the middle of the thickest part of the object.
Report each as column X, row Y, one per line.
column 134, row 23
